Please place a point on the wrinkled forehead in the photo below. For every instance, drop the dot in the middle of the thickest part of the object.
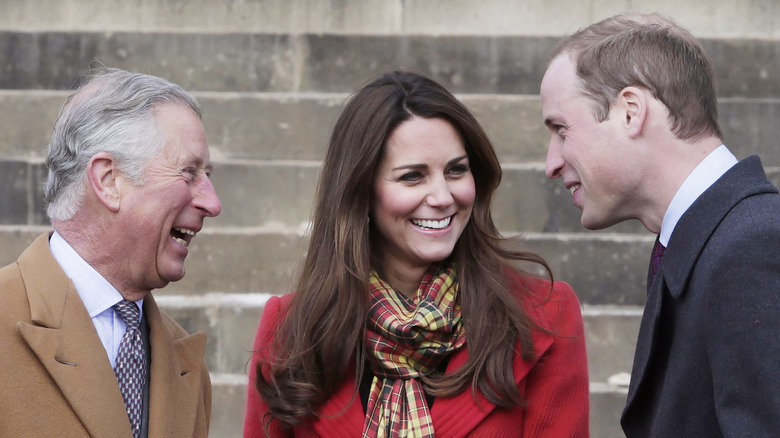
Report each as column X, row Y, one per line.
column 183, row 133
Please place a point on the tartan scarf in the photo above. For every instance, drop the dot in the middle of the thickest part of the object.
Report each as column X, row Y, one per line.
column 407, row 339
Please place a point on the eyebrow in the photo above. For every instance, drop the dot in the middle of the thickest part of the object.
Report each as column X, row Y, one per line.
column 422, row 166
column 552, row 121
column 198, row 162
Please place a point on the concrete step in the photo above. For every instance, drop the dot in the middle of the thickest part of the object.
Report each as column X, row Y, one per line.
column 296, row 126
column 716, row 18
column 266, row 260
column 260, row 62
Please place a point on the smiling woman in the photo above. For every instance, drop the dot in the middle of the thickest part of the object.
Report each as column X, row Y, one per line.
column 422, row 200
column 408, row 301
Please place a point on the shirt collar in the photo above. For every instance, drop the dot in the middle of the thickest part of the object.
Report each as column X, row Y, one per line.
column 95, row 291
column 703, row 176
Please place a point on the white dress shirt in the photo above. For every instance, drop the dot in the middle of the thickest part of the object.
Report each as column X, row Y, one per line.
column 703, row 176
column 98, row 295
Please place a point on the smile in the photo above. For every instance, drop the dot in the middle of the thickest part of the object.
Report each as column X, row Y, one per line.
column 182, row 235
column 574, row 188
column 433, row 224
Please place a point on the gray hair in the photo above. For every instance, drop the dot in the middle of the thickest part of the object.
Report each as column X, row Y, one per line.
column 112, row 111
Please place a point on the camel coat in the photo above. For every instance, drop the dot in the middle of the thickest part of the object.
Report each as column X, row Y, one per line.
column 55, row 375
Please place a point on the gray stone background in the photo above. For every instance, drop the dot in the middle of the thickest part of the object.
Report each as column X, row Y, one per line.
column 272, row 75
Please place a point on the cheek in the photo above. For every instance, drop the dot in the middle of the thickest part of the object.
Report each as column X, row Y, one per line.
column 465, row 192
column 392, row 203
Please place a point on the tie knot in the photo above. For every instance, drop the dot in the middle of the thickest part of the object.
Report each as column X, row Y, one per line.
column 129, row 313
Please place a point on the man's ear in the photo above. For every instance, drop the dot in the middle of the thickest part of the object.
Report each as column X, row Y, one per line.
column 632, row 101
column 104, row 180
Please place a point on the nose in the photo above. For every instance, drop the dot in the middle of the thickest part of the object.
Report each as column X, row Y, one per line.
column 553, row 165
column 206, row 198
column 440, row 194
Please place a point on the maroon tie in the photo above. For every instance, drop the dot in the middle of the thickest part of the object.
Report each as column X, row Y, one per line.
column 658, row 252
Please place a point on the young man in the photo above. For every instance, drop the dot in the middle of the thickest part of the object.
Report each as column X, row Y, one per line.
column 631, row 106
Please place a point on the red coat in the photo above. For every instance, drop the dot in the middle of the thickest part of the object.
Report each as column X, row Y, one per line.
column 555, row 384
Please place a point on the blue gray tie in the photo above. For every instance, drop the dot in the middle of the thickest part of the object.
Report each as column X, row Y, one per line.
column 129, row 369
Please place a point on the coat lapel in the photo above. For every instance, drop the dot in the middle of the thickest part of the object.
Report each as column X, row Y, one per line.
column 458, row 416
column 343, row 414
column 177, row 370
column 648, row 331
column 65, row 341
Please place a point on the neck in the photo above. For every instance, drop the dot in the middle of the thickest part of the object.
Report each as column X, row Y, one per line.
column 84, row 236
column 673, row 166
column 405, row 280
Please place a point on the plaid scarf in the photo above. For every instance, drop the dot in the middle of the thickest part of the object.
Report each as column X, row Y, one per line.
column 408, row 339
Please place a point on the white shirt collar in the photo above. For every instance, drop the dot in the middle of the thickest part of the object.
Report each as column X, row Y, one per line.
column 703, row 176
column 95, row 291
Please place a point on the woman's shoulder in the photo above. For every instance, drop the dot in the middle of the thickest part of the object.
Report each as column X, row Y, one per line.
column 274, row 312
column 277, row 305
column 554, row 305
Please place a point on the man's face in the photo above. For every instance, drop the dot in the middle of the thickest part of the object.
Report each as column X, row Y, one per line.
column 599, row 168
column 163, row 215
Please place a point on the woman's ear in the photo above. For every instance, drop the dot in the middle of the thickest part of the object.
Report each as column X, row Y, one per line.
column 103, row 178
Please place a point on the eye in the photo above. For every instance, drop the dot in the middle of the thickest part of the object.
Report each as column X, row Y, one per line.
column 459, row 169
column 189, row 173
column 412, row 176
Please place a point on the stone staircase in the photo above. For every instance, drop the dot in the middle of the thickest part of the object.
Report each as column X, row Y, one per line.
column 271, row 76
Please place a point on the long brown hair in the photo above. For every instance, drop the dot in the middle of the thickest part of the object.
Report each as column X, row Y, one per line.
column 321, row 337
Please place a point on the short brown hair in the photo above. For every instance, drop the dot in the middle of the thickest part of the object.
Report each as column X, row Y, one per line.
column 652, row 52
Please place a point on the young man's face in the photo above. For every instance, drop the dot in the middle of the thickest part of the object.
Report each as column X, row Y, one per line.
column 596, row 164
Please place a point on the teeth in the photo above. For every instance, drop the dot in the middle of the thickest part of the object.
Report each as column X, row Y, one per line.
column 574, row 188
column 436, row 225
column 185, row 231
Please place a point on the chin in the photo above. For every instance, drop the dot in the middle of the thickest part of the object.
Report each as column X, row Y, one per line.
column 595, row 224
column 171, row 276
column 438, row 258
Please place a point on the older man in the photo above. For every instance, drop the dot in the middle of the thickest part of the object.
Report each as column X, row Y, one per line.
column 632, row 111
column 84, row 349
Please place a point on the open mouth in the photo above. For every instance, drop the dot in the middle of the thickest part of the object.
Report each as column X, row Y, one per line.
column 182, row 235
column 433, row 224
column 574, row 188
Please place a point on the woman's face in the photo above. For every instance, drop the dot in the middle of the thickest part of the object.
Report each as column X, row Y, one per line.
column 422, row 196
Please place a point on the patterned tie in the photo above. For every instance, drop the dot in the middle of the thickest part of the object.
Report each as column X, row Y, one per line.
column 658, row 252
column 129, row 369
